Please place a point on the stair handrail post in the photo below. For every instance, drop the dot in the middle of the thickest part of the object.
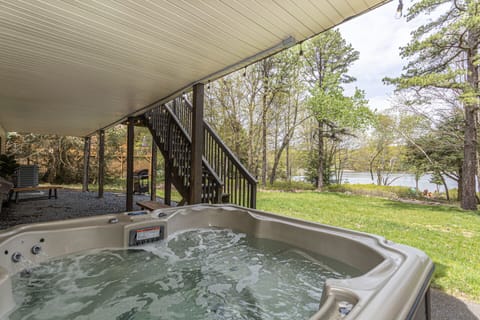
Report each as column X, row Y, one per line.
column 153, row 172
column 219, row 191
column 253, row 197
column 168, row 159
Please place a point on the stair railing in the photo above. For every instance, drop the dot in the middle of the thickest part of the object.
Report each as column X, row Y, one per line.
column 174, row 142
column 238, row 184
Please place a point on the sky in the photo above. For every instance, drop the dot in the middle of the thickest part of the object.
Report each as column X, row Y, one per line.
column 377, row 35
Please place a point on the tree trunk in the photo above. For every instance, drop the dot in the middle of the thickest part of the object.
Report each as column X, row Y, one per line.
column 469, row 168
column 273, row 174
column 319, row 65
column 278, row 156
column 287, row 147
column 444, row 182
column 250, row 139
column 417, row 178
column 287, row 162
column 264, row 141
column 371, row 163
column 478, row 170
column 460, row 184
column 469, row 202
column 320, row 167
column 121, row 164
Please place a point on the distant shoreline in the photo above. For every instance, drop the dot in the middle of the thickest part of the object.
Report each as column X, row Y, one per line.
column 404, row 179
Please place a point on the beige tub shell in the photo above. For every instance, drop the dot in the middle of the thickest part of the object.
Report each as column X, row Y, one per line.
column 393, row 285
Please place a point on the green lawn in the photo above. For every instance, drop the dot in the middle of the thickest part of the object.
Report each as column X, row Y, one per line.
column 450, row 236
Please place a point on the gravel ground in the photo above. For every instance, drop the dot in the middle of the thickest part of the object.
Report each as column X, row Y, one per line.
column 74, row 204
column 70, row 204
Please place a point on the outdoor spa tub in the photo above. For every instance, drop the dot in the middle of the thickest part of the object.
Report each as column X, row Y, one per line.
column 207, row 262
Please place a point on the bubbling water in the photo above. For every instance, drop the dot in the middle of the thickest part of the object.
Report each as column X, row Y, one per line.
column 196, row 274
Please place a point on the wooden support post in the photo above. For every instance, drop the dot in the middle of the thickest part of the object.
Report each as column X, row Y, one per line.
column 101, row 162
column 153, row 172
column 86, row 163
column 130, row 147
column 197, row 145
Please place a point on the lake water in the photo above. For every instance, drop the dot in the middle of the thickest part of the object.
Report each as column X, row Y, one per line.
column 401, row 179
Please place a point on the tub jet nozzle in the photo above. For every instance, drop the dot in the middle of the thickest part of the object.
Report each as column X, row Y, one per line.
column 36, row 249
column 16, row 257
column 344, row 308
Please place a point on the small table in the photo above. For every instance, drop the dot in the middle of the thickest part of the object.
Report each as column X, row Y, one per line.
column 52, row 191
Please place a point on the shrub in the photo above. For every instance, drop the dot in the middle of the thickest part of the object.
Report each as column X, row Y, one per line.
column 8, row 165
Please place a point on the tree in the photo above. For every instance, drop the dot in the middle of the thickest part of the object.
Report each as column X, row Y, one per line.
column 115, row 151
column 59, row 156
column 226, row 104
column 255, row 110
column 258, row 110
column 327, row 60
column 287, row 112
column 411, row 127
column 286, row 122
column 233, row 110
column 337, row 116
column 8, row 165
column 276, row 74
column 440, row 151
column 443, row 56
column 385, row 155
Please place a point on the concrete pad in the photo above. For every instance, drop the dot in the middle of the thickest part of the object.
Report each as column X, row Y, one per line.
column 447, row 307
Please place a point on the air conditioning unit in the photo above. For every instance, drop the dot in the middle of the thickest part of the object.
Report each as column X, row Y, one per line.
column 26, row 176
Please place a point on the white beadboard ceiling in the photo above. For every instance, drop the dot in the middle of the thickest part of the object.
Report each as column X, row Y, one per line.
column 72, row 67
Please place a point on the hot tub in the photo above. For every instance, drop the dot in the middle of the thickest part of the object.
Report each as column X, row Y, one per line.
column 393, row 280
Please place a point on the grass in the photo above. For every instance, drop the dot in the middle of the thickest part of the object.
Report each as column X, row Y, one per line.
column 391, row 192
column 450, row 236
column 290, row 186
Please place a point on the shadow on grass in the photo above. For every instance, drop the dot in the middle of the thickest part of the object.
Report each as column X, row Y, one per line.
column 430, row 207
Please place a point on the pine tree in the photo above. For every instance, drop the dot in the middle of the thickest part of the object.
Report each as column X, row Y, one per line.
column 327, row 60
column 443, row 55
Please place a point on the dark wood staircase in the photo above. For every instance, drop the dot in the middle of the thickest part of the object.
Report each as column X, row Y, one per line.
column 224, row 178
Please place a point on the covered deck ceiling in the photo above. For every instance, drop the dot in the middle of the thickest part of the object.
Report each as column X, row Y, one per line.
column 72, row 67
